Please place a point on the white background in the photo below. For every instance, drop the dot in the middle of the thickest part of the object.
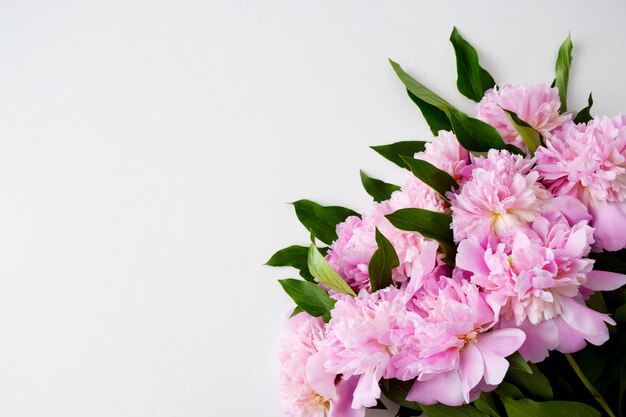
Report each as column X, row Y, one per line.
column 147, row 153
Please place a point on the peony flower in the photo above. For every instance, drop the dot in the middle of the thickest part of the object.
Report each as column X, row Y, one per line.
column 589, row 163
column 359, row 344
column 350, row 254
column 503, row 194
column 446, row 153
column 456, row 353
column 307, row 390
column 533, row 280
column 538, row 106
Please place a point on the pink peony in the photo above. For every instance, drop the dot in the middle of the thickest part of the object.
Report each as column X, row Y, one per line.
column 533, row 280
column 589, row 163
column 350, row 254
column 307, row 389
column 538, row 106
column 503, row 194
column 457, row 353
column 445, row 152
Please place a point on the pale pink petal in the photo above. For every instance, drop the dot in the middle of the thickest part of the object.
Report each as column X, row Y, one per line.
column 495, row 347
column 367, row 391
column 342, row 405
column 445, row 388
column 318, row 379
column 572, row 208
column 610, row 225
column 540, row 339
column 470, row 369
column 470, row 257
column 570, row 340
column 585, row 320
column 604, row 280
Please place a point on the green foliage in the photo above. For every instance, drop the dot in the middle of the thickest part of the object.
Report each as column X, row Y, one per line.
column 584, row 115
column 530, row 408
column 438, row 180
column 294, row 256
column 437, row 119
column 472, row 79
column 379, row 190
column 563, row 62
column 309, row 297
column 473, row 134
column 321, row 220
column 325, row 274
column 531, row 138
column 396, row 151
column 383, row 261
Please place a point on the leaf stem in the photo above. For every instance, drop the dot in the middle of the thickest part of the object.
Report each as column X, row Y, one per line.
column 599, row 398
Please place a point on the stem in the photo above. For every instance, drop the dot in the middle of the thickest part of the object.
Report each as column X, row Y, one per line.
column 599, row 398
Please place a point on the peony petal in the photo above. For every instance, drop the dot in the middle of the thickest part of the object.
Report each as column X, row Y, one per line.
column 445, row 388
column 585, row 320
column 604, row 280
column 572, row 208
column 570, row 340
column 342, row 405
column 470, row 257
column 540, row 339
column 609, row 221
column 470, row 369
column 367, row 391
column 494, row 348
column 318, row 379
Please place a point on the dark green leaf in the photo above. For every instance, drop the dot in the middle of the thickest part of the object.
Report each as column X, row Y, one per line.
column 395, row 151
column 408, row 412
column 438, row 180
column 437, row 119
column 508, row 390
column 397, row 391
column 486, row 404
column 472, row 79
column 325, row 274
column 382, row 262
column 563, row 61
column 296, row 311
column 529, row 408
column 584, row 115
column 441, row 410
column 309, row 297
column 419, row 90
column 321, row 220
column 379, row 190
column 610, row 261
column 429, row 224
column 473, row 134
column 531, row 138
column 294, row 256
column 535, row 384
column 516, row 361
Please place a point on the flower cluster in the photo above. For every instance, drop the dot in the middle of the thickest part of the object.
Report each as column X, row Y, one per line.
column 523, row 223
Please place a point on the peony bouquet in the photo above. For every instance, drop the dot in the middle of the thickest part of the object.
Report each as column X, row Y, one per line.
column 488, row 284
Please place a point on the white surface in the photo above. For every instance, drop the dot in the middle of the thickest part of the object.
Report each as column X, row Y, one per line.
column 148, row 148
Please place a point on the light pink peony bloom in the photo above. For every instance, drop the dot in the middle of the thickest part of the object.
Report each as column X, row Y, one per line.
column 537, row 105
column 503, row 194
column 306, row 388
column 358, row 342
column 456, row 353
column 350, row 254
column 589, row 163
column 445, row 152
column 534, row 279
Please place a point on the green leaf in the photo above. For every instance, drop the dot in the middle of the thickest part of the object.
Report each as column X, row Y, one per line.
column 383, row 261
column 437, row 119
column 472, row 79
column 438, row 180
column 529, row 408
column 516, row 361
column 429, row 224
column 397, row 391
column 322, row 220
column 584, row 115
column 473, row 134
column 324, row 273
column 294, row 256
column 441, row 410
column 296, row 311
column 309, row 297
column 563, row 61
column 486, row 404
column 379, row 190
column 610, row 261
column 531, row 138
column 419, row 90
column 395, row 151
column 508, row 390
column 535, row 384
